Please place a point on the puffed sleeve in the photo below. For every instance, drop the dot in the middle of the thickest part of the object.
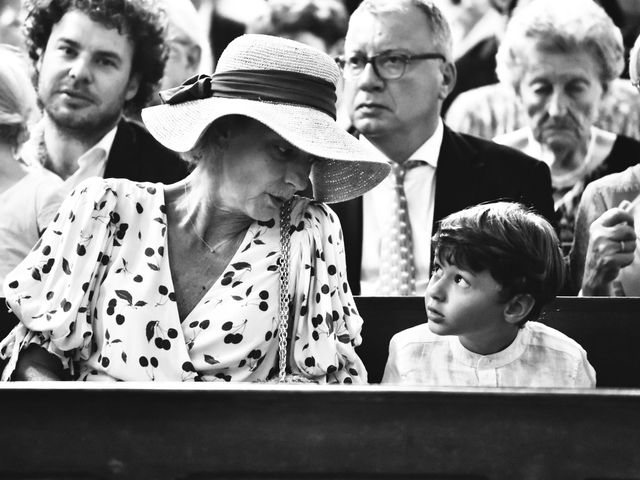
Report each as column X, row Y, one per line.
column 50, row 291
column 327, row 324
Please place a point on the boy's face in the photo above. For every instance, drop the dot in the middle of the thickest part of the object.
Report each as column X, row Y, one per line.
column 468, row 304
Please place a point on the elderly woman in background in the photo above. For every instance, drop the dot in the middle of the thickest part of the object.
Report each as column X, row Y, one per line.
column 560, row 57
column 28, row 194
column 605, row 257
column 232, row 274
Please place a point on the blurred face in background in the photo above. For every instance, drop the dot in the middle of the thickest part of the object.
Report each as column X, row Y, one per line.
column 11, row 19
column 561, row 93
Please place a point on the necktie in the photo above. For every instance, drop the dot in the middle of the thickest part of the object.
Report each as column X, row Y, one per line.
column 397, row 268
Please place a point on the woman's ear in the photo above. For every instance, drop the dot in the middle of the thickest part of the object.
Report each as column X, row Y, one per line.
column 518, row 308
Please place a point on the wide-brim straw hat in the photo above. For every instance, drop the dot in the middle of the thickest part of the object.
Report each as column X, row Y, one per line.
column 299, row 111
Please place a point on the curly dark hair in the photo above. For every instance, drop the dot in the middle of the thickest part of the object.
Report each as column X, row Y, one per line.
column 140, row 20
column 518, row 247
column 327, row 19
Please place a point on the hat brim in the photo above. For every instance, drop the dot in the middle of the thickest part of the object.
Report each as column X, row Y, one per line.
column 349, row 168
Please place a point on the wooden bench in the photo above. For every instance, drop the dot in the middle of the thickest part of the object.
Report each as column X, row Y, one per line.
column 243, row 432
column 607, row 328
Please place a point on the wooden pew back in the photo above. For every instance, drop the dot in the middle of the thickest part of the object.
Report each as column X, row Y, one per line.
column 607, row 328
column 198, row 432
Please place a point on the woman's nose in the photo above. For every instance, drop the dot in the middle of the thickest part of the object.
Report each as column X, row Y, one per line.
column 297, row 173
column 558, row 104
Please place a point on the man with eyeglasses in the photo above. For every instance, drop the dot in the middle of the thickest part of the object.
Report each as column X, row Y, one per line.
column 398, row 70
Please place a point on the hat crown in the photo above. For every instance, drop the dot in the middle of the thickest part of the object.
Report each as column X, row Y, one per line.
column 266, row 52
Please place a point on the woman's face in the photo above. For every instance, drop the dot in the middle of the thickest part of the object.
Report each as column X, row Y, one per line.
column 561, row 93
column 258, row 171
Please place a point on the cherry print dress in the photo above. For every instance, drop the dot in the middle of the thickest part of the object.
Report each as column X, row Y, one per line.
column 97, row 291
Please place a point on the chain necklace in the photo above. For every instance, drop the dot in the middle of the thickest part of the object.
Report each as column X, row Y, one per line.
column 212, row 249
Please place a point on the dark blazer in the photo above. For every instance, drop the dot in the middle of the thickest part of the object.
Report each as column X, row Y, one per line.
column 137, row 156
column 470, row 171
column 475, row 68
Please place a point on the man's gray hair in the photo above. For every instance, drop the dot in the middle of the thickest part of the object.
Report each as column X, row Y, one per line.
column 560, row 26
column 436, row 22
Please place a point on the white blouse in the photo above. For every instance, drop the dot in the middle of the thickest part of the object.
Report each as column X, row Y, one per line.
column 97, row 292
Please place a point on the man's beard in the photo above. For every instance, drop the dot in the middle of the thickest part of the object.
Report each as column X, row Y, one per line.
column 85, row 127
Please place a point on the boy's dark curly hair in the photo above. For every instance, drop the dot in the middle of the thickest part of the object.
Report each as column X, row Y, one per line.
column 140, row 20
column 518, row 247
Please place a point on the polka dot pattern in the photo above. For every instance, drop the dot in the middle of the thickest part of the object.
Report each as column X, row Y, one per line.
column 97, row 292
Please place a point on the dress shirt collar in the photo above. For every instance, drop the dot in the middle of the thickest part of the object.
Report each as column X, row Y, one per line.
column 428, row 152
column 100, row 150
column 495, row 360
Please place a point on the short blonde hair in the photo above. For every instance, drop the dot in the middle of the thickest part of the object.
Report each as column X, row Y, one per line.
column 564, row 26
column 18, row 104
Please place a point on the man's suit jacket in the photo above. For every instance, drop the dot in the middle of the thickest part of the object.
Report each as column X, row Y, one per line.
column 470, row 171
column 137, row 156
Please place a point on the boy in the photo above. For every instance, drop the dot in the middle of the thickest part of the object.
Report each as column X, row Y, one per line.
column 495, row 266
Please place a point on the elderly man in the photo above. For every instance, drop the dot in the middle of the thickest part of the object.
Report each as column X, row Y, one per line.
column 398, row 71
column 93, row 60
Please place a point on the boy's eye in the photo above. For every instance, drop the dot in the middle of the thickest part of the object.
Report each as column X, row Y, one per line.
column 459, row 279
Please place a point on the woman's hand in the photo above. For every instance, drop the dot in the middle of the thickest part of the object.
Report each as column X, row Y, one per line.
column 612, row 243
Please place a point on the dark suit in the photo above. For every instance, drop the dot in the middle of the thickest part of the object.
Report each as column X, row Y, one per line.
column 137, row 156
column 470, row 171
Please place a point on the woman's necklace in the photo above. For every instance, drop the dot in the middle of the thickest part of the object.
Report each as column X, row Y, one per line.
column 212, row 249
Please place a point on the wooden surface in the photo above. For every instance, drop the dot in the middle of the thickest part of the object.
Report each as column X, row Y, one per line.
column 607, row 328
column 129, row 431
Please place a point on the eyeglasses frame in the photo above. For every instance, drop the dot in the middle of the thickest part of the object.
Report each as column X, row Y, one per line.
column 341, row 61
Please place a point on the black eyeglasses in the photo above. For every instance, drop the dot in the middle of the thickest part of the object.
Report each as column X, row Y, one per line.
column 387, row 65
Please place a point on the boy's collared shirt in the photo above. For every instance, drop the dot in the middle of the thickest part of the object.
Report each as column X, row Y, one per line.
column 540, row 356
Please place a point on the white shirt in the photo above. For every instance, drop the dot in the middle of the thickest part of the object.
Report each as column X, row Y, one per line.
column 540, row 356
column 420, row 189
column 25, row 211
column 93, row 162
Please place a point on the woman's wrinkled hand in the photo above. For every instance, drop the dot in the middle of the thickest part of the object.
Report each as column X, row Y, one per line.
column 612, row 243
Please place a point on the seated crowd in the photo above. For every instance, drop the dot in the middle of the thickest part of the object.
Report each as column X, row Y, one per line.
column 185, row 225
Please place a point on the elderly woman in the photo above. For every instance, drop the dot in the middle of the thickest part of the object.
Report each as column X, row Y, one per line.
column 605, row 256
column 233, row 274
column 560, row 57
column 28, row 194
